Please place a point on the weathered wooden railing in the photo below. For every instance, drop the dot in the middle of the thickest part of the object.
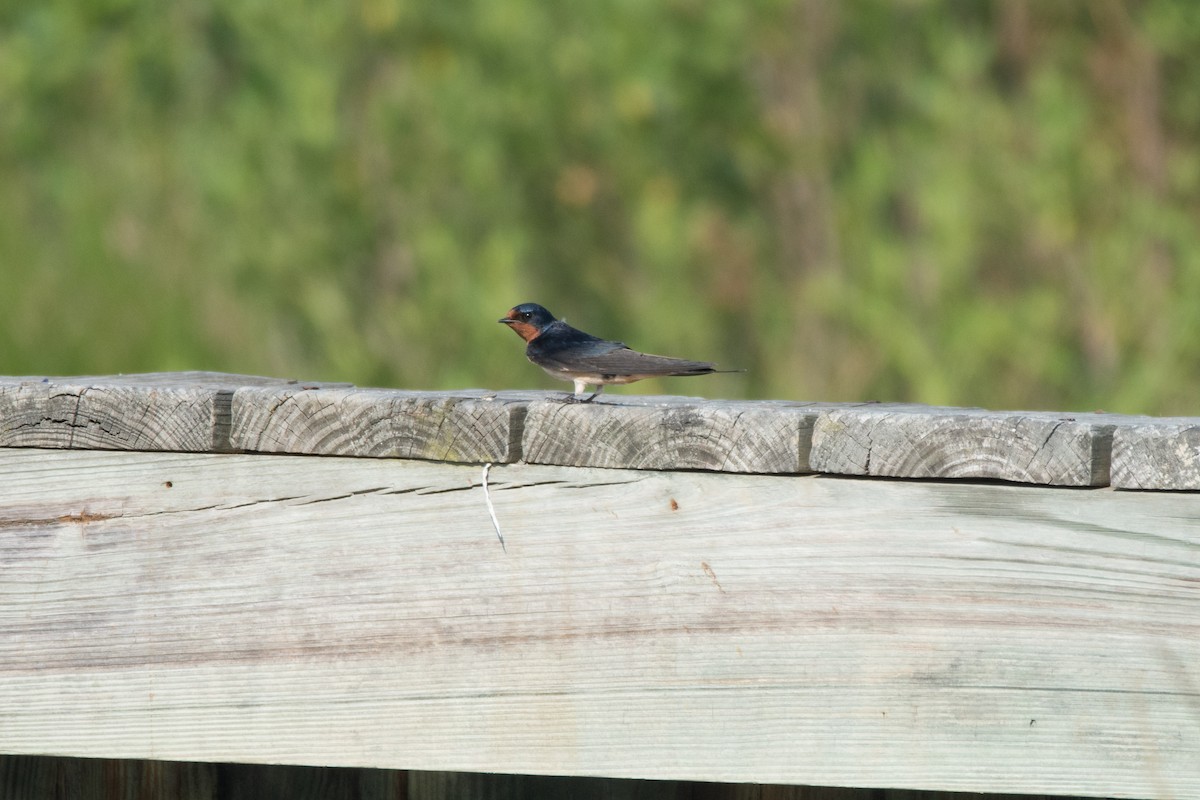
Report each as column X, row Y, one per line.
column 686, row 589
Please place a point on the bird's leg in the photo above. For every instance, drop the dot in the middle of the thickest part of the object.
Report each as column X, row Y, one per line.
column 580, row 388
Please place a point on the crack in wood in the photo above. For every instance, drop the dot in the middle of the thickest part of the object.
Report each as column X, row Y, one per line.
column 82, row 517
column 347, row 495
column 265, row 501
column 75, row 419
column 516, row 431
column 448, row 490
column 222, row 421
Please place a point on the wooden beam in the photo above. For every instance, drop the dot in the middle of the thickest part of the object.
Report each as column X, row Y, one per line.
column 214, row 412
column 771, row 629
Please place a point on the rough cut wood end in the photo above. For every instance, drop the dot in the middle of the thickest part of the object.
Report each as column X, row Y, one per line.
column 927, row 442
column 671, row 433
column 1162, row 455
column 463, row 427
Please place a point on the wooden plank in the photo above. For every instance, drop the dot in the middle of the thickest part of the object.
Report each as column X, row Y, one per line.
column 37, row 777
column 684, row 626
column 456, row 785
column 177, row 411
column 1159, row 454
column 254, row 781
column 648, row 432
column 930, row 442
column 471, row 426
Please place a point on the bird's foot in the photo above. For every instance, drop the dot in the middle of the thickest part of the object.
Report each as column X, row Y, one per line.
column 580, row 388
column 578, row 398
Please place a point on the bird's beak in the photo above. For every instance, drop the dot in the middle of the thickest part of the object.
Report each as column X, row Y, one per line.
column 506, row 320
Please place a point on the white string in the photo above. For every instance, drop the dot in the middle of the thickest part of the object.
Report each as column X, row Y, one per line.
column 487, row 496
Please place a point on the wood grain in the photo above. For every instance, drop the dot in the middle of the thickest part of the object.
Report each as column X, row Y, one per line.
column 1159, row 454
column 471, row 426
column 646, row 432
column 685, row 625
column 177, row 411
column 930, row 442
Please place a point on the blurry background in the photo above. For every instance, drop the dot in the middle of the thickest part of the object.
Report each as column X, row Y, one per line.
column 971, row 202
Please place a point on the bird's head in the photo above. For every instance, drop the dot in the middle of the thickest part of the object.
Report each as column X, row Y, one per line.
column 528, row 320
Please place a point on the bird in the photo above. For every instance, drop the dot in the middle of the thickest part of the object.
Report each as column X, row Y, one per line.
column 569, row 354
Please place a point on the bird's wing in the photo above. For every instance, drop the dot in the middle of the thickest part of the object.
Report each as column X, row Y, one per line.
column 561, row 348
column 614, row 358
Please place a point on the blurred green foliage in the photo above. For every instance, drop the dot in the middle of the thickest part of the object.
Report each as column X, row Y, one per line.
column 967, row 202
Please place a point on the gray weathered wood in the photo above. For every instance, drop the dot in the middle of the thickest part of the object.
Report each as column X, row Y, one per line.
column 471, row 426
column 1159, row 454
column 929, row 442
column 645, row 432
column 674, row 625
column 215, row 412
column 177, row 411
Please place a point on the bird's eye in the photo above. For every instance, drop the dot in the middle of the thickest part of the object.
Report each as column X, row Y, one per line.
column 526, row 315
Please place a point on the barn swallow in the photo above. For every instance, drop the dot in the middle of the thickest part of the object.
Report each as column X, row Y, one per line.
column 572, row 355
